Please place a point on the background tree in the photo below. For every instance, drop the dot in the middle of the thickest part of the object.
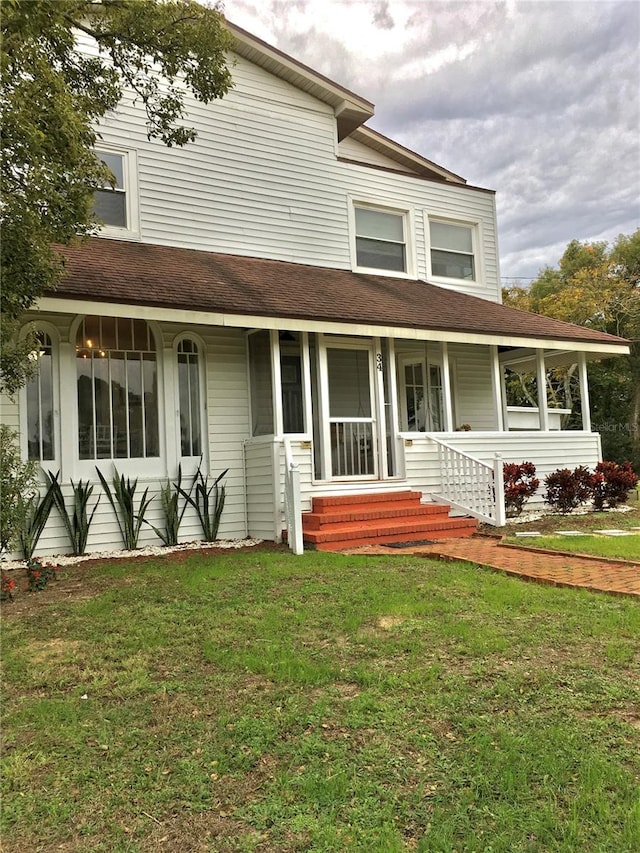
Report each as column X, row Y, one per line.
column 599, row 286
column 51, row 102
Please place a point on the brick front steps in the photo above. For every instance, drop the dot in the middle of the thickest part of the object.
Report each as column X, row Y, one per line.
column 347, row 521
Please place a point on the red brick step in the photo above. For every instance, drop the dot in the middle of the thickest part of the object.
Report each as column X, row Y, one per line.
column 344, row 521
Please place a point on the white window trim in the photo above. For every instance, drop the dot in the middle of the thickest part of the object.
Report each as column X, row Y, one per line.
column 190, row 463
column 426, row 360
column 384, row 206
column 130, row 177
column 148, row 468
column 476, row 243
column 55, row 463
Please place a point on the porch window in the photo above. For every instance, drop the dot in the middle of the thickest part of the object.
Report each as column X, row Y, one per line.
column 291, row 379
column 40, row 406
column 261, row 383
column 422, row 396
column 117, row 387
column 189, row 396
column 452, row 254
column 380, row 239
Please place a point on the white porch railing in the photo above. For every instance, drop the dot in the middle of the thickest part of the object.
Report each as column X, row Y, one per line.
column 292, row 501
column 469, row 484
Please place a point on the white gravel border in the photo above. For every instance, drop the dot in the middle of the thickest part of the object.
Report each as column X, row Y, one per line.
column 150, row 551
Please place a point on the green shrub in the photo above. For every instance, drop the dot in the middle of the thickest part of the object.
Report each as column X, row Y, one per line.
column 17, row 484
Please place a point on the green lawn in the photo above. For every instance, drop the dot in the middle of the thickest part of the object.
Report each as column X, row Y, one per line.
column 620, row 548
column 255, row 701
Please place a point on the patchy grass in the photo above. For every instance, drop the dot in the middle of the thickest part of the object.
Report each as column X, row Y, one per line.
column 619, row 548
column 255, row 701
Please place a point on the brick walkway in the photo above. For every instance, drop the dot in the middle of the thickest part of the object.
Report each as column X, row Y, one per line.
column 556, row 569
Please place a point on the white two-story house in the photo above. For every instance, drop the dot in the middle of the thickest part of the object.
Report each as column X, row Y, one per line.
column 300, row 300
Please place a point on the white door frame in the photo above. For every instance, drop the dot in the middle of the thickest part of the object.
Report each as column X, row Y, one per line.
column 326, row 420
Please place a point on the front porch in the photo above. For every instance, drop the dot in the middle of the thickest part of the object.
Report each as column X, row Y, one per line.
column 270, row 461
column 367, row 415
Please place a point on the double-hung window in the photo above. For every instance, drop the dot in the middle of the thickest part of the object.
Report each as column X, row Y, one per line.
column 381, row 239
column 452, row 252
column 115, row 205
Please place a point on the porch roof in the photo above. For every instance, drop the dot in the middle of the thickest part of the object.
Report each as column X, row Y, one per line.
column 118, row 271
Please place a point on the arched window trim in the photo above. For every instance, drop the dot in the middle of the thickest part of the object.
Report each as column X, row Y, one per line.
column 189, row 462
column 46, row 328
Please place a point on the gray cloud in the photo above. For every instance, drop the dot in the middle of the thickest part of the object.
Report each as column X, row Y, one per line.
column 538, row 100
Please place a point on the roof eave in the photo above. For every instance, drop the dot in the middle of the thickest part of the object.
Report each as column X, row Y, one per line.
column 351, row 109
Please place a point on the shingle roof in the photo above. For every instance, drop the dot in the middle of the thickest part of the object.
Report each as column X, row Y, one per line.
column 142, row 274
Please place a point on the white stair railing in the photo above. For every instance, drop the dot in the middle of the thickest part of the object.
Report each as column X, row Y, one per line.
column 469, row 484
column 292, row 501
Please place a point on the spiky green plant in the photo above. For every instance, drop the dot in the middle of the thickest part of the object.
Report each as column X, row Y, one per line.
column 208, row 502
column 35, row 511
column 173, row 515
column 77, row 523
column 123, row 499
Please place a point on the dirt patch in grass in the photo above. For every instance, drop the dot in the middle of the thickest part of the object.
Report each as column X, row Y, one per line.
column 51, row 651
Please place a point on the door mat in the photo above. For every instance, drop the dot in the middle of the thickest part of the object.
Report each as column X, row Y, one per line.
column 412, row 544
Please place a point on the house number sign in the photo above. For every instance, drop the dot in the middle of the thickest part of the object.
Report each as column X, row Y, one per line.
column 379, row 362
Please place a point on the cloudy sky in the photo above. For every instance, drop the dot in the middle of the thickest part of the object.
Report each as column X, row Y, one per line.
column 537, row 100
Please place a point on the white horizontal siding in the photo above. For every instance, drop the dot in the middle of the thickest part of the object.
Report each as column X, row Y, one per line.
column 261, row 481
column 9, row 411
column 353, row 150
column 472, row 387
column 263, row 180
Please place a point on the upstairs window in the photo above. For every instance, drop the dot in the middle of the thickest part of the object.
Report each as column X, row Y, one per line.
column 110, row 203
column 381, row 240
column 117, row 378
column 40, row 406
column 452, row 254
column 116, row 206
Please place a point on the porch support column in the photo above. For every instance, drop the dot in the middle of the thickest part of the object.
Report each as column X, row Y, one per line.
column 446, row 387
column 323, row 399
column 584, row 393
column 306, row 382
column 541, row 383
column 497, row 384
column 380, row 411
column 276, row 384
column 392, row 402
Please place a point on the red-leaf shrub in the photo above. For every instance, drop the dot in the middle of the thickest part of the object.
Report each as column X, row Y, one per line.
column 520, row 483
column 612, row 483
column 567, row 490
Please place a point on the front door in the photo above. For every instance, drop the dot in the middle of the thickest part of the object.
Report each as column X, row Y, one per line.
column 349, row 423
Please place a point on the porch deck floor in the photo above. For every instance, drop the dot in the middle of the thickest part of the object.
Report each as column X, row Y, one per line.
column 570, row 570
